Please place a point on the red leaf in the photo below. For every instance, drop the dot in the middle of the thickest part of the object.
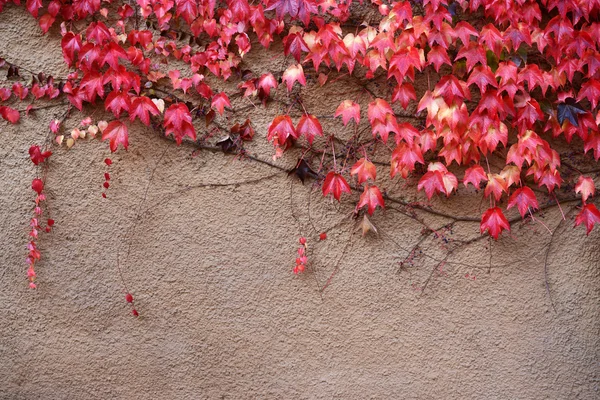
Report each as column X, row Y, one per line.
column 219, row 102
column 112, row 54
column 494, row 221
column 589, row 215
column 178, row 121
column 117, row 133
column 265, row 83
column 438, row 56
column 496, row 185
column 593, row 143
column 586, row 187
column 281, row 129
column 404, row 94
column 9, row 114
column 404, row 158
column 348, row 110
column 37, row 156
column 188, row 9
column 142, row 107
column 292, row 74
column 432, row 182
column 474, row 53
column 474, row 176
column 70, row 43
column 5, row 94
column 294, row 44
column 482, row 76
column 378, row 110
column 523, row 198
column 117, row 102
column 33, row 6
column 438, row 179
column 364, row 169
column 335, row 184
column 310, row 127
column 37, row 185
column 98, row 33
column 46, row 22
column 371, row 198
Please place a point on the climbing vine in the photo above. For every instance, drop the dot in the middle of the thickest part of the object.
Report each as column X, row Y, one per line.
column 459, row 83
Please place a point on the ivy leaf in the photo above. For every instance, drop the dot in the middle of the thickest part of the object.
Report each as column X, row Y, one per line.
column 9, row 114
column 142, row 107
column 264, row 85
column 474, row 175
column 187, row 9
column 37, row 156
column 432, row 182
column 219, row 102
column 336, row 185
column 117, row 101
column 494, row 221
column 281, row 129
column 348, row 110
column 496, row 185
column 70, row 44
column 178, row 121
column 378, row 110
column 570, row 112
column 303, row 170
column 364, row 169
column 586, row 187
column 589, row 215
column 292, row 74
column 366, row 226
column 371, row 197
column 116, row 132
column 310, row 127
column 437, row 179
column 294, row 44
column 523, row 198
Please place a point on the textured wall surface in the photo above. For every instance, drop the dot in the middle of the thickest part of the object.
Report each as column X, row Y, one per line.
column 221, row 314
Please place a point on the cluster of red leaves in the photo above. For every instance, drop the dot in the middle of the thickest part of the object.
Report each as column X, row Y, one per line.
column 522, row 73
column 37, row 157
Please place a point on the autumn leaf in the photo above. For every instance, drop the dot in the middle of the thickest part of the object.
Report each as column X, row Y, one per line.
column 117, row 134
column 569, row 112
column 371, row 197
column 294, row 44
column 178, row 121
column 37, row 156
column 366, row 226
column 292, row 74
column 336, row 185
column 348, row 110
column 474, row 175
column 494, row 221
column 523, row 198
column 281, row 129
column 9, row 114
column 219, row 102
column 378, row 110
column 117, row 101
column 589, row 215
column 364, row 170
column 303, row 170
column 586, row 187
column 142, row 107
column 496, row 185
column 309, row 126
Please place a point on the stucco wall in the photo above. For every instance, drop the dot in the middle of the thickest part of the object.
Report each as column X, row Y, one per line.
column 222, row 316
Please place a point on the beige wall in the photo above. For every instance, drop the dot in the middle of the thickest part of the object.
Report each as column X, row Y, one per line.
column 222, row 316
